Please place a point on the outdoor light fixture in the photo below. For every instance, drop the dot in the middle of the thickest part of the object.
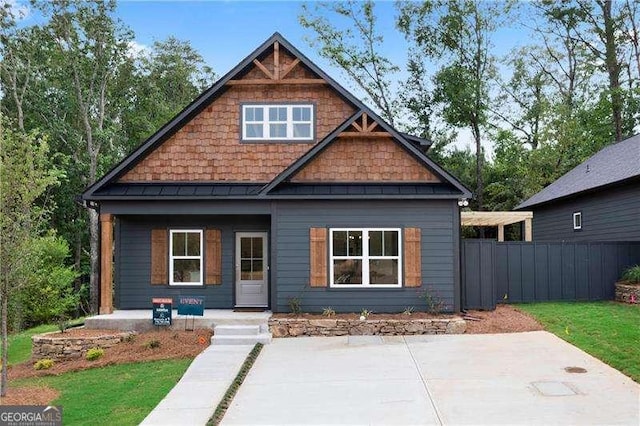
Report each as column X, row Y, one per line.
column 463, row 202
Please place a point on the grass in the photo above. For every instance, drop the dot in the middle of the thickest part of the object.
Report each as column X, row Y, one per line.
column 20, row 343
column 607, row 330
column 120, row 394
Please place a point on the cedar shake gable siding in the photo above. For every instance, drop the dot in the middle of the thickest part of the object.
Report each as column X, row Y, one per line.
column 209, row 148
column 377, row 159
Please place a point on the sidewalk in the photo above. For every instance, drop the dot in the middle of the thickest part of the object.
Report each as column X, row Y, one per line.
column 196, row 396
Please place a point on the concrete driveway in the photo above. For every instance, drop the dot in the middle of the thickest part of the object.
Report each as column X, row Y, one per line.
column 457, row 379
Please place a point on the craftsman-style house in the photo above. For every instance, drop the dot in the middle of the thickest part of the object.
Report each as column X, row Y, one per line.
column 277, row 183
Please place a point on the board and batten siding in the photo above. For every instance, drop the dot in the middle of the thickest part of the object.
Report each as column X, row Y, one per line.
column 611, row 214
column 439, row 225
column 133, row 258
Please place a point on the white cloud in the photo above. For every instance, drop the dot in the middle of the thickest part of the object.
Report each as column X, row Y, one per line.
column 137, row 50
column 19, row 9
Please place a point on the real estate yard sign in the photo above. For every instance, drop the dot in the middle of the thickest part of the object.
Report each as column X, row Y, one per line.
column 161, row 311
column 191, row 305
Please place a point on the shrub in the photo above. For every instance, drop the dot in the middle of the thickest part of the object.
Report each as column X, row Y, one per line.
column 94, row 353
column 435, row 305
column 43, row 364
column 408, row 310
column 632, row 274
column 152, row 344
column 328, row 312
column 365, row 313
column 295, row 305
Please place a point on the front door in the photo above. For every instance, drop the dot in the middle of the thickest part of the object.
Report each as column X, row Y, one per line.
column 252, row 278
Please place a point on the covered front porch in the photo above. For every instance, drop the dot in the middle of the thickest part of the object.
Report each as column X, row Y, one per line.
column 219, row 251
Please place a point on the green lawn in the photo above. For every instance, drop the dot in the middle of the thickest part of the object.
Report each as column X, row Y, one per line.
column 120, row 394
column 609, row 331
column 20, row 343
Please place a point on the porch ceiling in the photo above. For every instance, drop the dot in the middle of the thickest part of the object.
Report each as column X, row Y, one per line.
column 493, row 218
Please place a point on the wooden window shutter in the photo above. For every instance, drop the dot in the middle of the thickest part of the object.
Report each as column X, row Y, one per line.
column 213, row 257
column 159, row 257
column 412, row 258
column 318, row 257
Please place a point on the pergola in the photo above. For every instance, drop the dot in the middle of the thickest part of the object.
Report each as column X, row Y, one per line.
column 499, row 219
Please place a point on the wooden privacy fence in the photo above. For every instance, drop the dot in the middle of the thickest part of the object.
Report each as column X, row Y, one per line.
column 514, row 272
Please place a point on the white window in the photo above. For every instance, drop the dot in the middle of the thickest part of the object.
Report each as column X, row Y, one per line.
column 577, row 220
column 185, row 257
column 277, row 122
column 365, row 258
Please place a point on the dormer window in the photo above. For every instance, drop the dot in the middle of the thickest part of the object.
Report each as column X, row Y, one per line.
column 278, row 122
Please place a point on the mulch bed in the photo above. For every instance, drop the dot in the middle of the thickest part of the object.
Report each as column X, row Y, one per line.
column 29, row 395
column 505, row 319
column 373, row 316
column 172, row 345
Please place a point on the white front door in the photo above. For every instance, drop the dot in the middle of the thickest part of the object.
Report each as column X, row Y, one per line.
column 252, row 277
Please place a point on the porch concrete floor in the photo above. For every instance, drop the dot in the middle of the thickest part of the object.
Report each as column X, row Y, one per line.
column 140, row 319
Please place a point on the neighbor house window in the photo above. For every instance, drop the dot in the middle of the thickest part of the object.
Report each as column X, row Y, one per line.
column 577, row 220
column 365, row 258
column 185, row 260
column 277, row 122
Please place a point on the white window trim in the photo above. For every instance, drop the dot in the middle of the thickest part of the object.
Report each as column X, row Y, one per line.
column 266, row 134
column 365, row 258
column 172, row 257
column 577, row 215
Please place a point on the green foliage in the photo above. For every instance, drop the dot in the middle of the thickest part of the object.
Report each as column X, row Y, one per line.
column 432, row 300
column 408, row 310
column 365, row 313
column 328, row 312
column 112, row 394
column 43, row 364
column 152, row 344
column 632, row 274
column 295, row 305
column 607, row 330
column 94, row 353
column 52, row 296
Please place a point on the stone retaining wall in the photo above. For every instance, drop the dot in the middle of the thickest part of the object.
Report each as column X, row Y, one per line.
column 65, row 348
column 294, row 327
column 627, row 293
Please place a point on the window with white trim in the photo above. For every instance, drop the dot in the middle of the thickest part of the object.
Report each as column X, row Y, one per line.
column 277, row 122
column 577, row 220
column 185, row 257
column 367, row 257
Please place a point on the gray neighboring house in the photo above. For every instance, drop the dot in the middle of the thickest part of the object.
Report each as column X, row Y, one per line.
column 277, row 183
column 599, row 200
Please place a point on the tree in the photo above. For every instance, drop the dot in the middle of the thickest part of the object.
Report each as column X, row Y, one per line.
column 458, row 32
column 166, row 80
column 88, row 50
column 24, row 177
column 355, row 48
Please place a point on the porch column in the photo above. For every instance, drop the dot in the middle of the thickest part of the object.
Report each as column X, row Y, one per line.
column 106, row 263
column 500, row 232
column 527, row 229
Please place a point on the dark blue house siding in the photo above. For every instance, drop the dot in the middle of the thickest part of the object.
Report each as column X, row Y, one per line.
column 610, row 214
column 438, row 220
column 133, row 258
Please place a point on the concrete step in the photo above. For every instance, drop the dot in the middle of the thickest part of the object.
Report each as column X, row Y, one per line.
column 264, row 338
column 236, row 330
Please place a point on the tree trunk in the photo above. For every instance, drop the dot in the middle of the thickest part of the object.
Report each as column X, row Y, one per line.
column 94, row 282
column 613, row 69
column 4, row 306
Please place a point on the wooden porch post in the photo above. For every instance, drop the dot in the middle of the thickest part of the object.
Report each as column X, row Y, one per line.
column 500, row 232
column 106, row 263
column 527, row 229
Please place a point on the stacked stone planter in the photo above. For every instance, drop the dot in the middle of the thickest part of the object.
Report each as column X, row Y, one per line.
column 57, row 347
column 627, row 293
column 294, row 327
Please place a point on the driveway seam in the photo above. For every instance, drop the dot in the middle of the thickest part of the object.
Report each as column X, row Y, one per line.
column 424, row 383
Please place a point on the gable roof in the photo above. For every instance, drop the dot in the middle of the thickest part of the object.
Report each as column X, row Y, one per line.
column 204, row 99
column 408, row 146
column 614, row 163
